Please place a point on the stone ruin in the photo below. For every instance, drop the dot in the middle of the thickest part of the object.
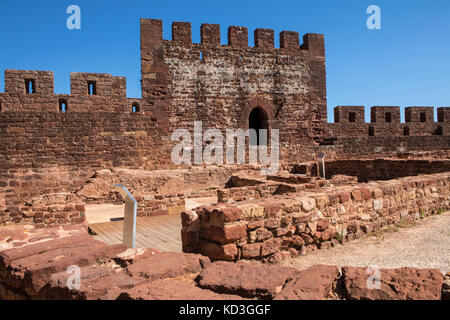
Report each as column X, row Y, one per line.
column 276, row 220
column 34, row 264
column 61, row 152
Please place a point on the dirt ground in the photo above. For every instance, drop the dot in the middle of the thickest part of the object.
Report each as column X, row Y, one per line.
column 424, row 245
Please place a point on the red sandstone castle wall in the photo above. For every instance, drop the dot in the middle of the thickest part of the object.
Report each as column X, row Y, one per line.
column 385, row 122
column 109, row 94
column 81, row 139
column 47, row 153
column 221, row 84
column 183, row 82
column 381, row 169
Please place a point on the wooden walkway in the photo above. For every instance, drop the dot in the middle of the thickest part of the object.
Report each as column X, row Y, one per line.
column 159, row 232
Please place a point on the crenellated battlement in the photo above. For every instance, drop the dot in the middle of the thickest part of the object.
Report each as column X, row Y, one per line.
column 389, row 114
column 385, row 122
column 30, row 90
column 152, row 32
column 350, row 114
column 443, row 114
column 225, row 86
column 42, row 82
column 211, row 81
column 100, row 84
column 419, row 114
column 29, row 82
column 385, row 114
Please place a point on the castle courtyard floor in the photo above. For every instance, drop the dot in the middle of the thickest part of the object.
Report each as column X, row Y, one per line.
column 426, row 244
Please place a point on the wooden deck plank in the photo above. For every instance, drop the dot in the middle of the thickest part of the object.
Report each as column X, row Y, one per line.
column 167, row 230
column 164, row 246
column 151, row 238
column 101, row 232
column 161, row 224
column 159, row 232
column 112, row 233
column 155, row 243
column 152, row 232
column 109, row 230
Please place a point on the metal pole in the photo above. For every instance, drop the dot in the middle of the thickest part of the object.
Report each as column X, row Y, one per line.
column 321, row 161
column 129, row 222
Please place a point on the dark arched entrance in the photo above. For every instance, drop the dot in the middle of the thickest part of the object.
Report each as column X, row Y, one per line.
column 257, row 119
column 405, row 131
column 438, row 131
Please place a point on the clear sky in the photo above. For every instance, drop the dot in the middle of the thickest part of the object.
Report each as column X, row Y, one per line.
column 406, row 63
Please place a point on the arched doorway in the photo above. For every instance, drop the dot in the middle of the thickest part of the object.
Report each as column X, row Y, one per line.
column 438, row 131
column 406, row 131
column 257, row 120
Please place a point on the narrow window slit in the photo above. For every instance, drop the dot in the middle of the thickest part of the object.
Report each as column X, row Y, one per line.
column 30, row 86
column 388, row 117
column 352, row 117
column 406, row 131
column 63, row 107
column 423, row 117
column 92, row 88
column 439, row 131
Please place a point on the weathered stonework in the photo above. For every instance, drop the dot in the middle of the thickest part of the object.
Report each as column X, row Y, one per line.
column 67, row 138
column 314, row 219
column 34, row 265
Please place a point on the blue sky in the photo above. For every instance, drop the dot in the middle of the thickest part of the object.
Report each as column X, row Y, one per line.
column 406, row 63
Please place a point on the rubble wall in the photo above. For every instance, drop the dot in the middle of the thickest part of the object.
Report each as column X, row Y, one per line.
column 310, row 220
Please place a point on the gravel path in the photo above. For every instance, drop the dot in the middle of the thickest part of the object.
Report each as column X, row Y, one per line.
column 425, row 245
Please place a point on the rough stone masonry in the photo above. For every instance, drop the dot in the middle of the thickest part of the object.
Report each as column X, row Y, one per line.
column 54, row 143
column 59, row 152
column 279, row 227
column 34, row 264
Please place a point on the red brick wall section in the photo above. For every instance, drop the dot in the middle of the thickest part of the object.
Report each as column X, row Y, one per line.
column 385, row 122
column 246, row 193
column 214, row 83
column 81, row 139
column 160, row 204
column 220, row 85
column 384, row 169
column 41, row 197
column 311, row 220
column 156, row 191
column 110, row 93
column 425, row 147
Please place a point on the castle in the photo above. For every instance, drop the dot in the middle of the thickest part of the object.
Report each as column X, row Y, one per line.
column 53, row 143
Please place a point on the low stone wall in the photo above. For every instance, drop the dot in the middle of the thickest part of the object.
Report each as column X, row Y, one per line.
column 46, row 211
column 385, row 169
column 66, row 208
column 293, row 224
column 246, row 193
column 45, row 215
column 159, row 191
column 155, row 205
